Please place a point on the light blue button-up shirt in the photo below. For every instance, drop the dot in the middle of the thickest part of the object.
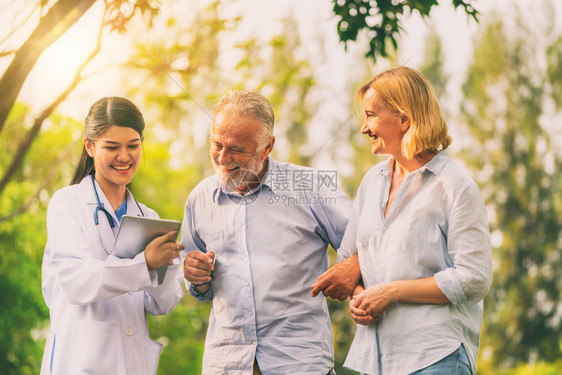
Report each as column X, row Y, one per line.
column 436, row 226
column 270, row 247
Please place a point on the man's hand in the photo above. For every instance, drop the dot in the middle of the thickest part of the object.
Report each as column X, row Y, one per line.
column 197, row 268
column 358, row 289
column 340, row 280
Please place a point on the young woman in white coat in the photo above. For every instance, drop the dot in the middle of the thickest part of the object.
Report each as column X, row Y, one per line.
column 98, row 302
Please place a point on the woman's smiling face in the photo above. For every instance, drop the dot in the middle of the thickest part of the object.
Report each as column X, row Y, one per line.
column 384, row 126
column 116, row 155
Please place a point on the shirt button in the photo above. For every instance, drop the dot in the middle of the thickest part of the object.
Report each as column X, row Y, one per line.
column 245, row 253
column 247, row 283
column 129, row 332
column 255, row 343
column 250, row 313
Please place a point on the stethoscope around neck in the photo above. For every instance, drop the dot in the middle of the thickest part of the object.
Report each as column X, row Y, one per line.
column 100, row 207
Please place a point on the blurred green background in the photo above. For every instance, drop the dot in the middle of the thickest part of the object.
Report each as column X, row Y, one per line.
column 499, row 81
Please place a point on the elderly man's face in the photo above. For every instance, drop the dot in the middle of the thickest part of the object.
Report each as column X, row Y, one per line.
column 235, row 150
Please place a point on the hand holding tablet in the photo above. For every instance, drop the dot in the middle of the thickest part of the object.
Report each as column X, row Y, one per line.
column 135, row 233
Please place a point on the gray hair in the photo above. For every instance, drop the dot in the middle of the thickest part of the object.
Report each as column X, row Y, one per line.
column 250, row 103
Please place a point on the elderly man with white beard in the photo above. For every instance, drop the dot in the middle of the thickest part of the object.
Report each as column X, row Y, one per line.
column 256, row 236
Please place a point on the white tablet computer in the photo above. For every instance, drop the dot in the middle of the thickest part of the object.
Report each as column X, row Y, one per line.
column 137, row 232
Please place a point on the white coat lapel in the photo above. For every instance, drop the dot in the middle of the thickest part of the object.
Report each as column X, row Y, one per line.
column 132, row 207
column 106, row 232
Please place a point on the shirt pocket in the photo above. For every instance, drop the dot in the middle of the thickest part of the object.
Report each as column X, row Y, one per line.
column 152, row 350
column 215, row 242
column 94, row 348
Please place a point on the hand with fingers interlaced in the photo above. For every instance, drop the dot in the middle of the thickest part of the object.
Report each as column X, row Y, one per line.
column 369, row 305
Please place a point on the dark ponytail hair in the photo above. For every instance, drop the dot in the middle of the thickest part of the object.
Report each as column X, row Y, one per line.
column 105, row 113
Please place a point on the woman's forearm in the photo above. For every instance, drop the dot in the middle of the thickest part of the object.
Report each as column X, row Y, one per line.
column 416, row 291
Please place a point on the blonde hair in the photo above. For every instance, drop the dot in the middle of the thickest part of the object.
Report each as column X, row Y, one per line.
column 407, row 91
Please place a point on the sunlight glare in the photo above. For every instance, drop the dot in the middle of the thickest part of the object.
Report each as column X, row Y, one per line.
column 62, row 59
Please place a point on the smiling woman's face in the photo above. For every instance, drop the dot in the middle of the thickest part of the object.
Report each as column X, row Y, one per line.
column 382, row 125
column 116, row 155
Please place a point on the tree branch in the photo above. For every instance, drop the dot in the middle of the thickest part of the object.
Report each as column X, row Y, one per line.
column 7, row 53
column 34, row 131
column 15, row 28
column 53, row 25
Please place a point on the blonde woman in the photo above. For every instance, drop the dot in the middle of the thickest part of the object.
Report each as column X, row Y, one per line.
column 420, row 229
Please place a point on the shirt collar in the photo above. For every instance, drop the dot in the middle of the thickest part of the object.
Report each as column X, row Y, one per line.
column 435, row 165
column 387, row 166
column 219, row 188
column 269, row 176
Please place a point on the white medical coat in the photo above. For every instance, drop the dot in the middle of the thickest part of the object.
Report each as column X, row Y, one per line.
column 98, row 302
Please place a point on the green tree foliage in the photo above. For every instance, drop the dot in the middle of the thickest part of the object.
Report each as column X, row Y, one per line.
column 432, row 66
column 23, row 310
column 182, row 333
column 518, row 171
column 23, row 236
column 180, row 77
column 382, row 20
column 554, row 71
column 287, row 81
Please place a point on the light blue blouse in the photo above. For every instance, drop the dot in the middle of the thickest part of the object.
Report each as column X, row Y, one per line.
column 436, row 226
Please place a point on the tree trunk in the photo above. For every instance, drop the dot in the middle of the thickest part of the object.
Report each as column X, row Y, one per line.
column 52, row 26
column 24, row 146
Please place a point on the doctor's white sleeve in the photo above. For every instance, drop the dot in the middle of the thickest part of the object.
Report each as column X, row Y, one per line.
column 162, row 299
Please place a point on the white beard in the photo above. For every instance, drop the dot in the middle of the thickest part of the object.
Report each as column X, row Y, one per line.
column 241, row 177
